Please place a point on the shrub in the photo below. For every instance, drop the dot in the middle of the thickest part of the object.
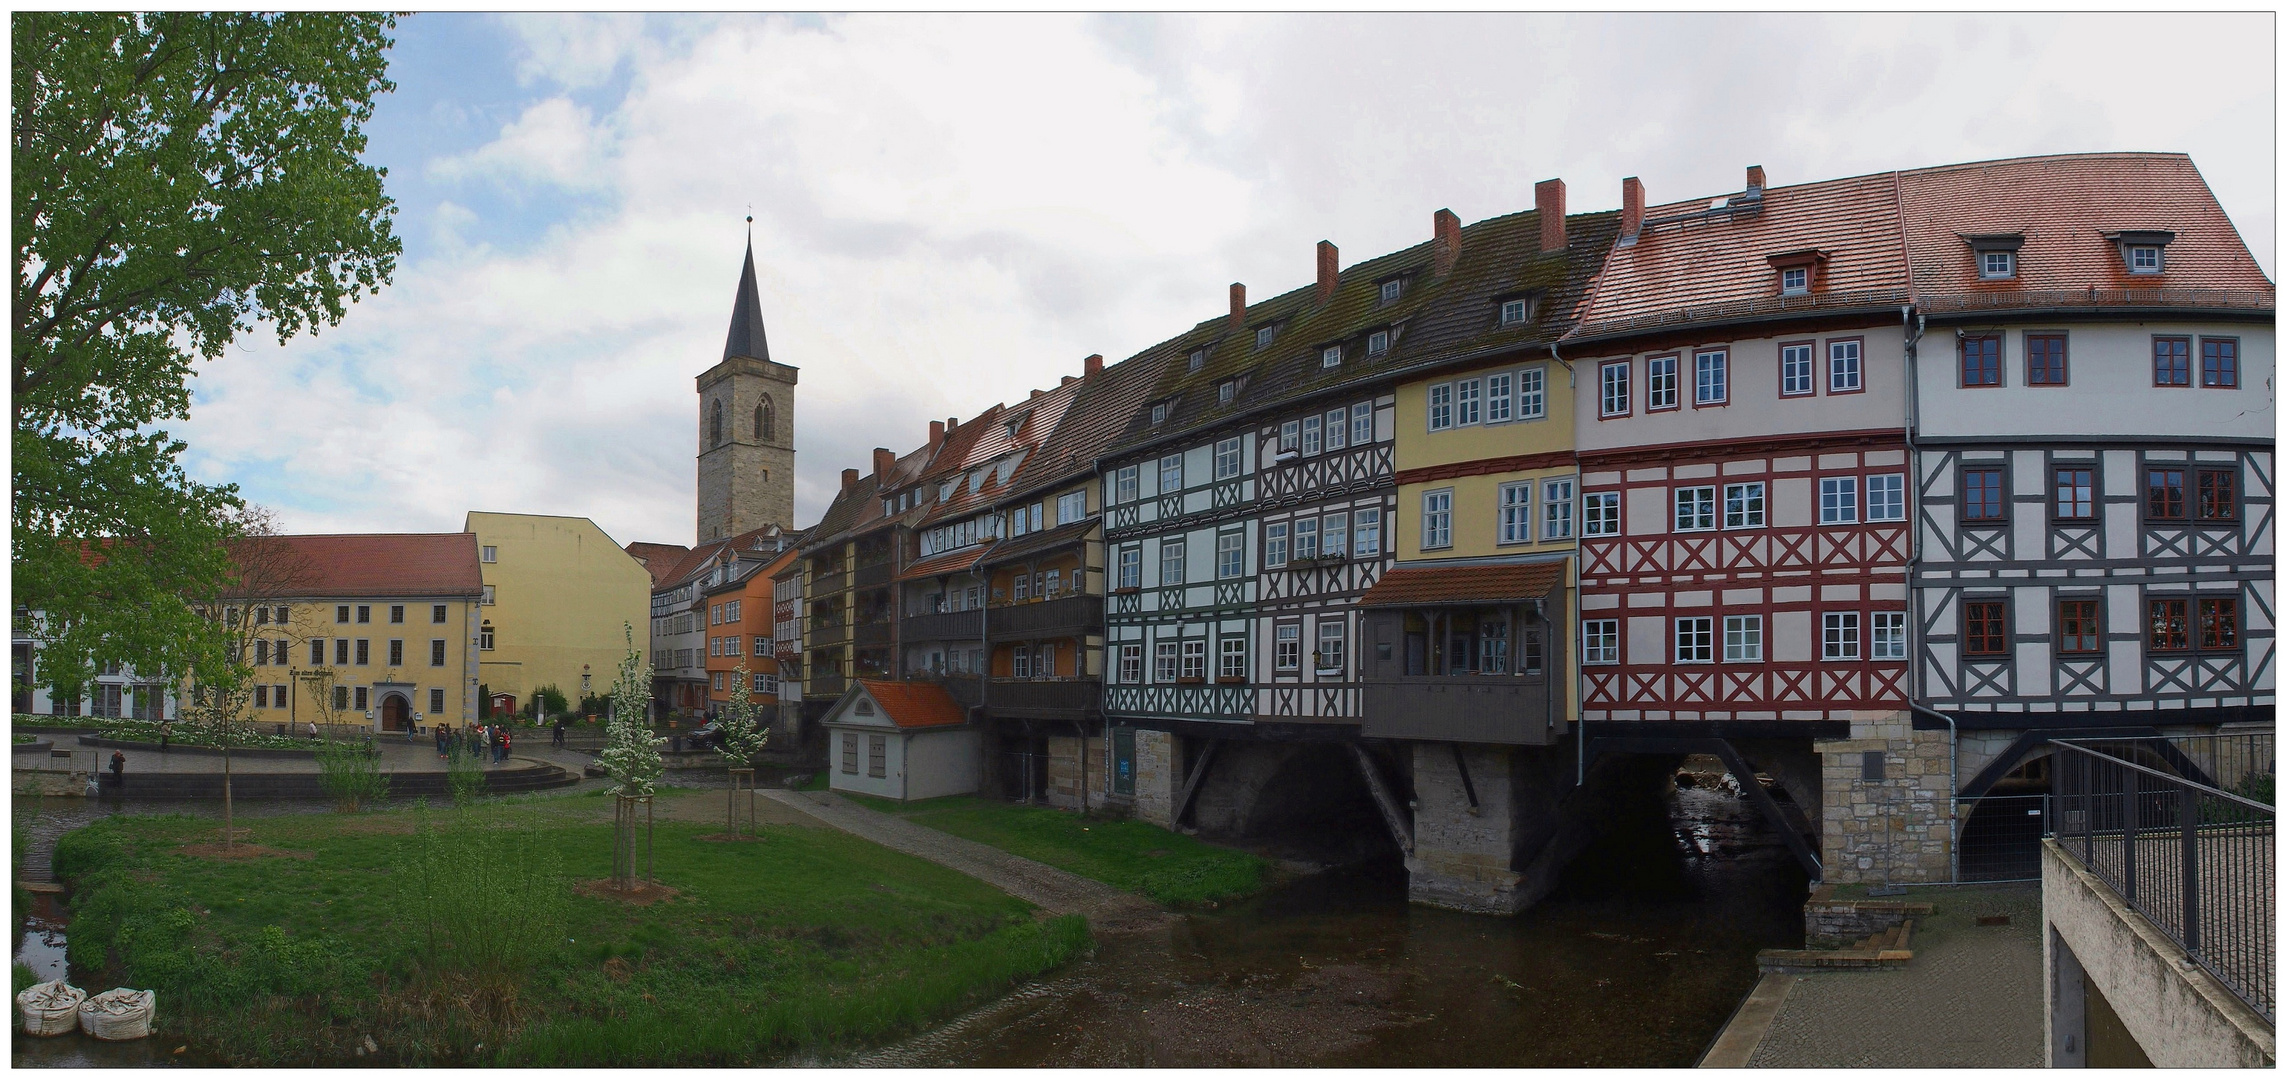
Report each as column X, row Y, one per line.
column 350, row 773
column 464, row 774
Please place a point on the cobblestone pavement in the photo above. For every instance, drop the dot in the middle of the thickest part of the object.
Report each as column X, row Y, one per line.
column 1058, row 891
column 1970, row 998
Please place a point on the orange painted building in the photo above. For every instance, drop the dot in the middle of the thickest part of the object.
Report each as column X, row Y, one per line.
column 741, row 616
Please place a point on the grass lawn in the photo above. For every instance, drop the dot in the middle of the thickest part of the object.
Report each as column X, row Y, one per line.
column 1169, row 867
column 461, row 938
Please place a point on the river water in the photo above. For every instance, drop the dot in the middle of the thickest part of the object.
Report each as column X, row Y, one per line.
column 1637, row 959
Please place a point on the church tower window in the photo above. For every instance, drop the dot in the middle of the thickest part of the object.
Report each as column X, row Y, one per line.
column 715, row 425
column 765, row 420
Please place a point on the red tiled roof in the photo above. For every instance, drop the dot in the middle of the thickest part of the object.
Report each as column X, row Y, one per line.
column 2063, row 206
column 1720, row 266
column 658, row 559
column 915, row 704
column 367, row 564
column 943, row 564
column 1464, row 584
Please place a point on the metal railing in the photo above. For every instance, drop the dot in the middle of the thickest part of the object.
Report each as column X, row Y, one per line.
column 2000, row 837
column 2153, row 820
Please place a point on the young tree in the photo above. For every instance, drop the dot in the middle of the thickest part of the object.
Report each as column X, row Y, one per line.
column 263, row 569
column 743, row 736
column 178, row 177
column 631, row 755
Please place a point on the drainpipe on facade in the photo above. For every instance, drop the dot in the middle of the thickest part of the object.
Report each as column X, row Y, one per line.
column 1579, row 687
column 1913, row 325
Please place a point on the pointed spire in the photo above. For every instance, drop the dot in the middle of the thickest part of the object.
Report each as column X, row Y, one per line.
column 746, row 311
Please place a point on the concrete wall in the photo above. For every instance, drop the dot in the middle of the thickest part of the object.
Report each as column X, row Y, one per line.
column 1069, row 757
column 943, row 762
column 1894, row 829
column 1160, row 765
column 563, row 595
column 2178, row 1015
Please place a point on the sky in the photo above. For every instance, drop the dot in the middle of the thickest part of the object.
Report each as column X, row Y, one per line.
column 950, row 211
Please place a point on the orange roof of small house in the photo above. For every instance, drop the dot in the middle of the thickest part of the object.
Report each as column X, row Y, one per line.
column 914, row 704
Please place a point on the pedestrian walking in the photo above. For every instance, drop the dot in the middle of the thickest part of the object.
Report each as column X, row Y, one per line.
column 166, row 728
column 313, row 729
column 558, row 741
column 118, row 773
column 506, row 740
column 444, row 734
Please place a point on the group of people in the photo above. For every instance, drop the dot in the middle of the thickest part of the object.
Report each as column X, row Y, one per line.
column 475, row 740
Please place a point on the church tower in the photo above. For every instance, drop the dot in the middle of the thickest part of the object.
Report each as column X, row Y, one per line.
column 746, row 427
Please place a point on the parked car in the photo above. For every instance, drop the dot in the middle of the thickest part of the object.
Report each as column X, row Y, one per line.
column 706, row 737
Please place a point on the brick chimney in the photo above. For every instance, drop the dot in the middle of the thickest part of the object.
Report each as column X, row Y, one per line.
column 1329, row 269
column 1238, row 305
column 884, row 461
column 1093, row 365
column 1447, row 230
column 1067, row 381
column 1631, row 209
column 1548, row 201
column 849, row 477
column 936, row 432
column 952, row 424
column 1754, row 180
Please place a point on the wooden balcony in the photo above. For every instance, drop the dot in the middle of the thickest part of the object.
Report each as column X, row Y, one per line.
column 945, row 626
column 875, row 575
column 822, row 585
column 1502, row 709
column 876, row 633
column 828, row 684
column 1042, row 699
column 820, row 637
column 1067, row 616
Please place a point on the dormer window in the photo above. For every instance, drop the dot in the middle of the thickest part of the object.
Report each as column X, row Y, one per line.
column 1264, row 335
column 1798, row 271
column 1198, row 359
column 1330, row 356
column 1794, row 281
column 1226, row 390
column 1377, row 343
column 2142, row 250
column 2143, row 259
column 1997, row 265
column 1392, row 289
column 1995, row 254
column 1158, row 413
column 1515, row 312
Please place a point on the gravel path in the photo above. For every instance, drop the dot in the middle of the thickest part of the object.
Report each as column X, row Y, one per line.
column 1057, row 891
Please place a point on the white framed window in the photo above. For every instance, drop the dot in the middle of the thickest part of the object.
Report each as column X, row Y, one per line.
column 1612, row 389
column 1368, row 523
column 486, row 599
column 1743, row 505
column 1843, row 368
column 1886, row 497
column 1226, row 390
column 1274, row 545
column 1992, row 265
column 1336, row 430
column 1331, row 356
column 1437, row 518
column 1330, row 641
column 1166, row 661
column 1711, row 377
column 1263, row 335
column 1171, row 562
column 1158, row 413
column 1020, row 662
column 1500, row 397
column 1695, row 509
column 1171, row 474
column 1071, row 506
column 1512, row 312
column 1131, row 567
column 1441, row 406
column 1231, row 657
column 1695, row 640
column 1517, row 512
column 1286, row 647
column 1230, row 555
column 1795, row 280
column 1468, row 401
column 1532, row 399
column 1377, row 343
column 1362, row 423
column 1837, row 500
column 1556, row 509
column 1306, row 538
column 1195, row 658
column 1310, row 435
column 1124, row 484
column 1796, row 377
column 1334, row 539
column 1743, row 639
column 1600, row 641
column 1290, row 436
column 1889, row 636
column 2143, row 259
column 1391, row 290
column 491, row 553
column 1227, row 458
column 1131, row 663
column 1600, row 513
column 1660, row 382
column 1198, row 359
column 1838, row 637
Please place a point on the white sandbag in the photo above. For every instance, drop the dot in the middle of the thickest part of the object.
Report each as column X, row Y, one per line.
column 118, row 1015
column 51, row 1008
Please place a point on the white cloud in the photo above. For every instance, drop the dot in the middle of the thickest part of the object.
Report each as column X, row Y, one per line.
column 950, row 211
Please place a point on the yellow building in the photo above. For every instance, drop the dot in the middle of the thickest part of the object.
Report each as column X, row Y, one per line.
column 558, row 597
column 375, row 631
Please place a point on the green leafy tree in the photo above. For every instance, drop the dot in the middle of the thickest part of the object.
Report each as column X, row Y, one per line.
column 178, row 178
column 631, row 752
column 743, row 735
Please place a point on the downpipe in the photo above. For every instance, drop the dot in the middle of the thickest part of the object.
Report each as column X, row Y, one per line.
column 1953, row 789
column 1912, row 325
column 1579, row 680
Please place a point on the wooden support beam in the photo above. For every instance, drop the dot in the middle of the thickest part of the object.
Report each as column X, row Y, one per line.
column 1400, row 823
column 1191, row 783
column 1745, row 776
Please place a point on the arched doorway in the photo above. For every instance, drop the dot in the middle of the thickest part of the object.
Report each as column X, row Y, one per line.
column 396, row 713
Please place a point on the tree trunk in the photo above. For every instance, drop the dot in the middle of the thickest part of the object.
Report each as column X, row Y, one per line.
column 227, row 833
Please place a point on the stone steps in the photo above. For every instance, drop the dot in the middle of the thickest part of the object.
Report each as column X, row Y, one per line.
column 1889, row 948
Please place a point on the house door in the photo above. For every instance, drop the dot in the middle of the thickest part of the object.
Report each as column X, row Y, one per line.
column 395, row 714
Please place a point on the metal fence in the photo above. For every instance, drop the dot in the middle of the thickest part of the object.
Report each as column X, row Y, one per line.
column 2001, row 837
column 2170, row 825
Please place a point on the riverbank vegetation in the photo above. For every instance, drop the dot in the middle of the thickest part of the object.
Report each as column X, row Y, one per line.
column 1169, row 867
column 475, row 935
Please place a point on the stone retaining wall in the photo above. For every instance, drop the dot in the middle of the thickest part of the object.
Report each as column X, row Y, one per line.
column 1831, row 923
column 1896, row 828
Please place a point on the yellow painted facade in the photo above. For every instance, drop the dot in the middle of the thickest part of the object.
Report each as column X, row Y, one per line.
column 1476, row 499
column 358, row 653
column 561, row 595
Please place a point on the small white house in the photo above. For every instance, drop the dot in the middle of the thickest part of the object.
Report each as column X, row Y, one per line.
column 901, row 740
